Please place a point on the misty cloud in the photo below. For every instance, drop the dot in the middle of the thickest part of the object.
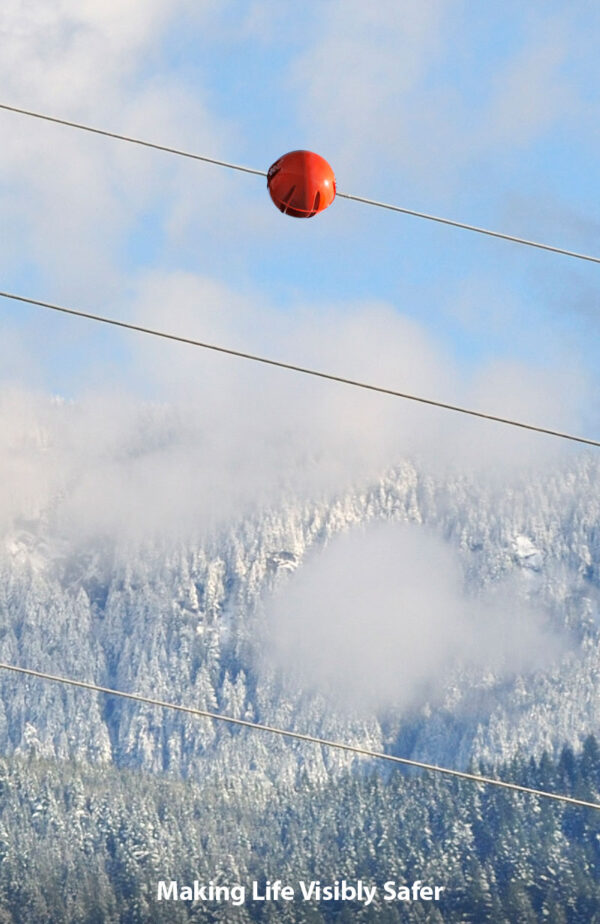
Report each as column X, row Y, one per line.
column 380, row 618
column 186, row 438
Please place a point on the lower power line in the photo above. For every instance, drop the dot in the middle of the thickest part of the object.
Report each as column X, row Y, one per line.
column 299, row 736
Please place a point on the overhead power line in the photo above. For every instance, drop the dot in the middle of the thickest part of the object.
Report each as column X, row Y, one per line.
column 342, row 195
column 114, row 322
column 467, row 227
column 140, row 141
column 299, row 736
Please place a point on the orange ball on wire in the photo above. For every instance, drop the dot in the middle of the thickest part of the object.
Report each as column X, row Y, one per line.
column 301, row 184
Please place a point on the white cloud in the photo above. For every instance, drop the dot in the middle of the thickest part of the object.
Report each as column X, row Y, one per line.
column 72, row 200
column 531, row 92
column 226, row 435
column 79, row 53
column 380, row 617
column 357, row 79
column 519, row 391
column 417, row 94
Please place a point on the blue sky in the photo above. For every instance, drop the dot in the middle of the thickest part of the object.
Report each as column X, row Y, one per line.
column 486, row 113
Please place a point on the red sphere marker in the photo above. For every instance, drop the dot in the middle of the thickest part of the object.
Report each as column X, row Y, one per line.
column 301, row 184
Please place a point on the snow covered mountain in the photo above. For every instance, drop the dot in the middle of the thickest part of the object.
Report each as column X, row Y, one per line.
column 185, row 621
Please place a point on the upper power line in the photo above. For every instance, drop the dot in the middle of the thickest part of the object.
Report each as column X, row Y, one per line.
column 300, row 736
column 140, row 141
column 373, row 202
column 467, row 227
column 316, row 373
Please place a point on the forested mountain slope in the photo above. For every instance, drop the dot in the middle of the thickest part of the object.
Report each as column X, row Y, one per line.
column 91, row 844
column 183, row 620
